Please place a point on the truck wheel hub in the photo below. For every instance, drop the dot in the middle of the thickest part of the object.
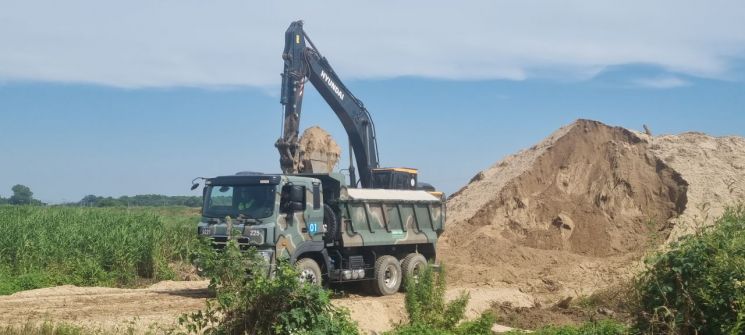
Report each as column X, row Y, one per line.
column 308, row 276
column 391, row 276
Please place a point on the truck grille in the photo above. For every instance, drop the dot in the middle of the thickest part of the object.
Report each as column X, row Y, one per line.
column 219, row 242
column 356, row 262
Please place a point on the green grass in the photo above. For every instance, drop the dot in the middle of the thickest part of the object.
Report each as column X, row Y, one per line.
column 48, row 246
column 605, row 327
column 44, row 329
column 65, row 328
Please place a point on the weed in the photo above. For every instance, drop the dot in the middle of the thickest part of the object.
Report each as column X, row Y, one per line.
column 430, row 314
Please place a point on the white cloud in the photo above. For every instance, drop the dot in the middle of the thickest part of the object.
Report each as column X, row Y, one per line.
column 140, row 43
column 661, row 82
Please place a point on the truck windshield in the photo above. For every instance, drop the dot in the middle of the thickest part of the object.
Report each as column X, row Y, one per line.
column 249, row 201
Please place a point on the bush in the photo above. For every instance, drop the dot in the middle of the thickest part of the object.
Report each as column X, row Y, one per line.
column 430, row 314
column 698, row 286
column 262, row 303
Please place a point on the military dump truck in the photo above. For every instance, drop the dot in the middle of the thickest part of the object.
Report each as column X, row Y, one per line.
column 377, row 229
column 332, row 232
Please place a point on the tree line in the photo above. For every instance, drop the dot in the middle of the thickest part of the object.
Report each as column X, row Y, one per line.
column 140, row 200
column 22, row 195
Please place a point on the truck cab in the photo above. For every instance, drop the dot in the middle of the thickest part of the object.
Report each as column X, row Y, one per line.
column 333, row 233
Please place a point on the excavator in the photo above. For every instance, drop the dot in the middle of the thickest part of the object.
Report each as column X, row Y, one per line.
column 303, row 62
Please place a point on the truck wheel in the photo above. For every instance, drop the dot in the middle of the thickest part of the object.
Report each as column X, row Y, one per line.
column 309, row 270
column 412, row 266
column 387, row 275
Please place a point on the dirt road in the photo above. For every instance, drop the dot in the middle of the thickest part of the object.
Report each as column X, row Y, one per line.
column 161, row 304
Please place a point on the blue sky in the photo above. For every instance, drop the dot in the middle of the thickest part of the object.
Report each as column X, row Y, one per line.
column 140, row 99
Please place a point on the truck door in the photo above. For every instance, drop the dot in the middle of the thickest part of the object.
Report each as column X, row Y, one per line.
column 314, row 211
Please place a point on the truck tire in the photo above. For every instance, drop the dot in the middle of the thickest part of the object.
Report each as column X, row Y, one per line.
column 331, row 222
column 309, row 270
column 412, row 265
column 387, row 275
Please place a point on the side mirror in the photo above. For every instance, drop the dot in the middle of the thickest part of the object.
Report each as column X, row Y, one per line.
column 297, row 193
column 296, row 206
column 293, row 198
column 194, row 183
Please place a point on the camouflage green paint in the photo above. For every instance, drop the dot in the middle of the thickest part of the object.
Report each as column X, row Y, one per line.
column 387, row 222
column 293, row 229
column 363, row 222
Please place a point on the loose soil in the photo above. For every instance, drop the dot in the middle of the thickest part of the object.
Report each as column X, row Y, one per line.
column 319, row 153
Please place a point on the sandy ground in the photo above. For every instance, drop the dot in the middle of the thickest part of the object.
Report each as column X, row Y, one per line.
column 105, row 308
column 161, row 305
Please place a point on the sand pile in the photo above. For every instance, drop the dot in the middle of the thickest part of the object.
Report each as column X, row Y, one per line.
column 565, row 216
column 714, row 168
column 319, row 153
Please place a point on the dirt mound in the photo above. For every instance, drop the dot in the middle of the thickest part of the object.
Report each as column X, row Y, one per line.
column 590, row 189
column 714, row 168
column 562, row 215
column 319, row 153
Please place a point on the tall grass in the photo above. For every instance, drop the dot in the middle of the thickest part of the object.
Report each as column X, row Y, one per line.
column 47, row 246
column 44, row 329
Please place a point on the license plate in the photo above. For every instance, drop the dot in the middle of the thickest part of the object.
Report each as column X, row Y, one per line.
column 205, row 231
column 255, row 236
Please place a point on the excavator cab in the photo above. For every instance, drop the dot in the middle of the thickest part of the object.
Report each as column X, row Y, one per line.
column 395, row 178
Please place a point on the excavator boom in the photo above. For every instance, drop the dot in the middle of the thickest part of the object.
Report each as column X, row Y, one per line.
column 303, row 62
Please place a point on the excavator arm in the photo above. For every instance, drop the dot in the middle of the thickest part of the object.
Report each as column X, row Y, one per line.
column 302, row 62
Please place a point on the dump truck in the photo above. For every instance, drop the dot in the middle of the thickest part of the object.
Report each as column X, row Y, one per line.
column 333, row 233
column 380, row 228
